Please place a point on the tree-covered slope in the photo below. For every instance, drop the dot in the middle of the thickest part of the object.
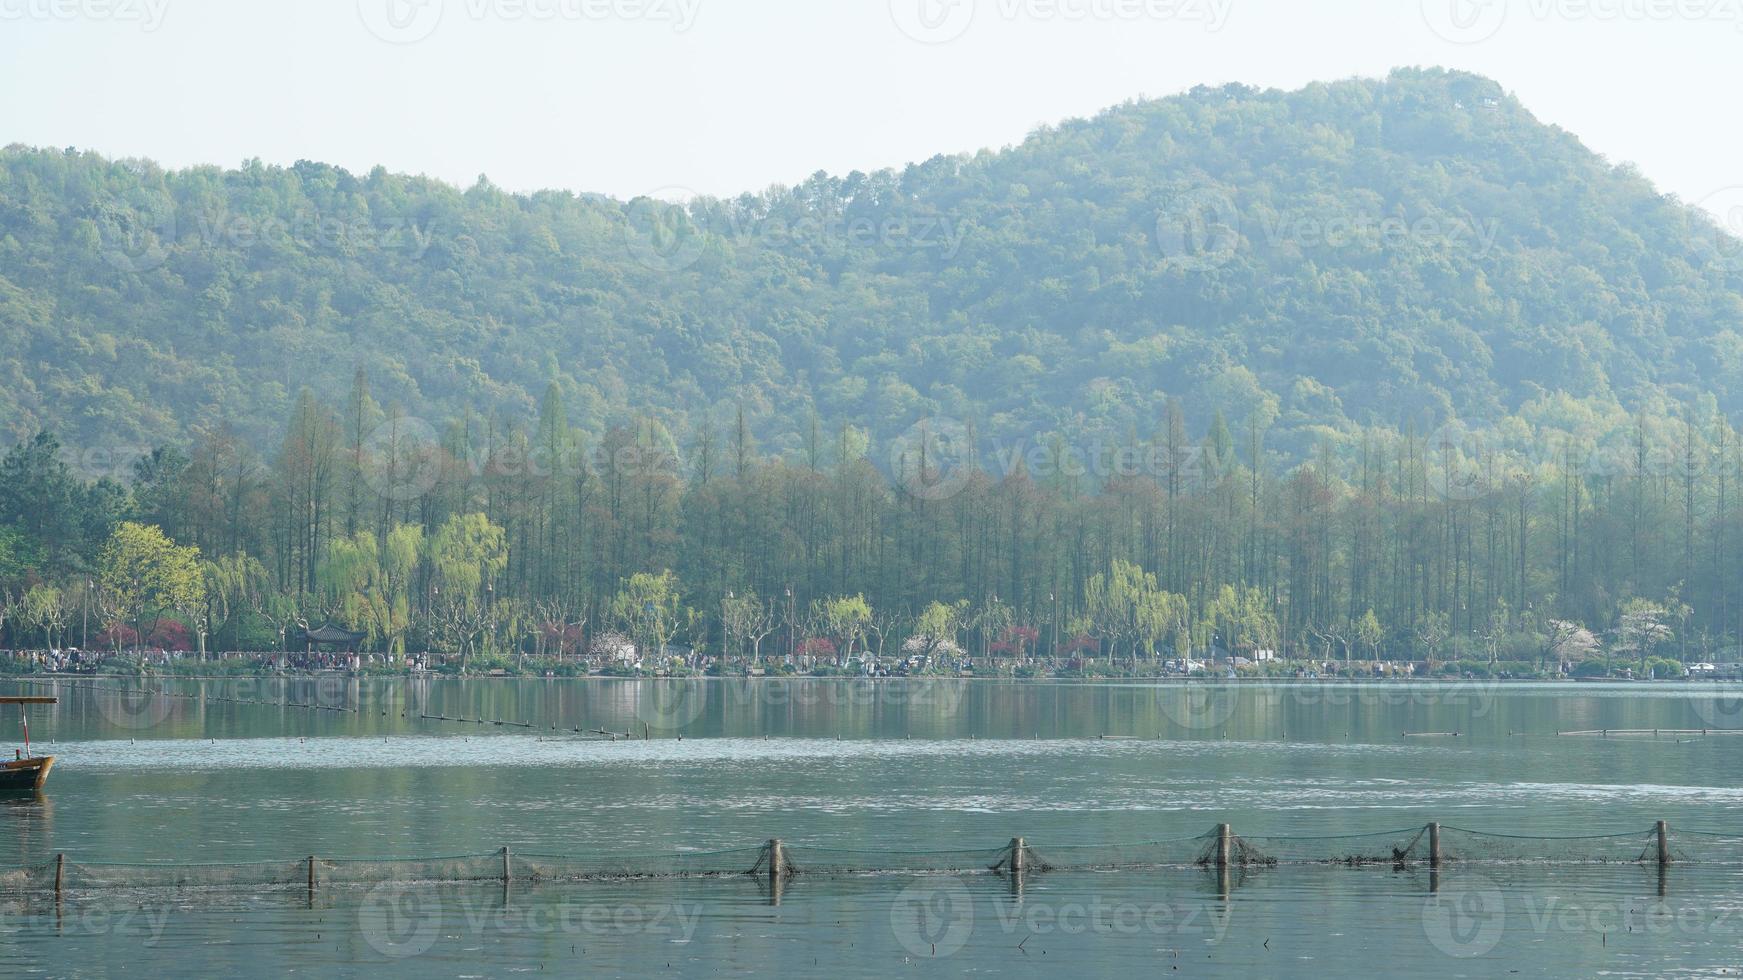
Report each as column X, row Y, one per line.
column 1351, row 253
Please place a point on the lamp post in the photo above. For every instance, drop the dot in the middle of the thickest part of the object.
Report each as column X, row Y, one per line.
column 725, row 629
column 1053, row 621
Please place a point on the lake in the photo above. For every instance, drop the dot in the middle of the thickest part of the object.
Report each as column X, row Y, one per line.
column 893, row 771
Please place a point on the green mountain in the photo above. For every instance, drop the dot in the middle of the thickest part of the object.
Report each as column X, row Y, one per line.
column 1355, row 253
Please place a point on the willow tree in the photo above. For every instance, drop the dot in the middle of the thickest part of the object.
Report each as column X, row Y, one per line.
column 466, row 555
column 146, row 575
column 647, row 609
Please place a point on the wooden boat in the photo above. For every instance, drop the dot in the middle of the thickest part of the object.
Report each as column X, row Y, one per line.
column 25, row 773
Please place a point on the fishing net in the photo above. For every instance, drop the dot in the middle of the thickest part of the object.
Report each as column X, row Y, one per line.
column 365, row 871
column 1473, row 846
column 1174, row 852
column 675, row 864
column 803, row 859
column 81, row 876
column 1407, row 847
column 1706, row 847
column 1384, row 847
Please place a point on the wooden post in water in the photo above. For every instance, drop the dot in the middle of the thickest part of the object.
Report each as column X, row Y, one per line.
column 60, row 874
column 1434, row 855
column 777, row 870
column 311, row 878
column 777, row 860
column 1663, row 844
column 1016, row 859
column 1224, row 845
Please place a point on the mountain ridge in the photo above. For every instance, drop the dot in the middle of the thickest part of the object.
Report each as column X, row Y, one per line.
column 1364, row 252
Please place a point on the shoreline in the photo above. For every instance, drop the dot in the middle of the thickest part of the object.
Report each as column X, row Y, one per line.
column 1176, row 681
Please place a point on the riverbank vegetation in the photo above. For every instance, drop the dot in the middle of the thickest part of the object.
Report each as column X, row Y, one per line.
column 514, row 544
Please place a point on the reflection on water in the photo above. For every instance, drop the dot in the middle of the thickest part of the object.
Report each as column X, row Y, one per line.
column 1323, row 922
column 249, row 770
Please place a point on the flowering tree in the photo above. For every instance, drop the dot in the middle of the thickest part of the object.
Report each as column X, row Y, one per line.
column 1570, row 643
column 935, row 631
column 1015, row 641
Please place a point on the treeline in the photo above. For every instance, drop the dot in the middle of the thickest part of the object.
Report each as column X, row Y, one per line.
column 495, row 537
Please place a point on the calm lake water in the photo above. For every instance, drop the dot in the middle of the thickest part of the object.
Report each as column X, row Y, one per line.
column 888, row 765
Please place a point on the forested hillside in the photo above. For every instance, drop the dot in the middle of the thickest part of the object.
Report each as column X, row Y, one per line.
column 1369, row 367
column 1358, row 253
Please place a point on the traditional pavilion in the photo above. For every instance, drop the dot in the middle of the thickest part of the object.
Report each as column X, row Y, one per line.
column 333, row 638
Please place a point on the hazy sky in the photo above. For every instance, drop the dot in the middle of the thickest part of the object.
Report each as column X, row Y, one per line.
column 721, row 96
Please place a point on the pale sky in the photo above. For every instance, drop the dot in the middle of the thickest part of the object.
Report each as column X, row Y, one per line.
column 628, row 97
